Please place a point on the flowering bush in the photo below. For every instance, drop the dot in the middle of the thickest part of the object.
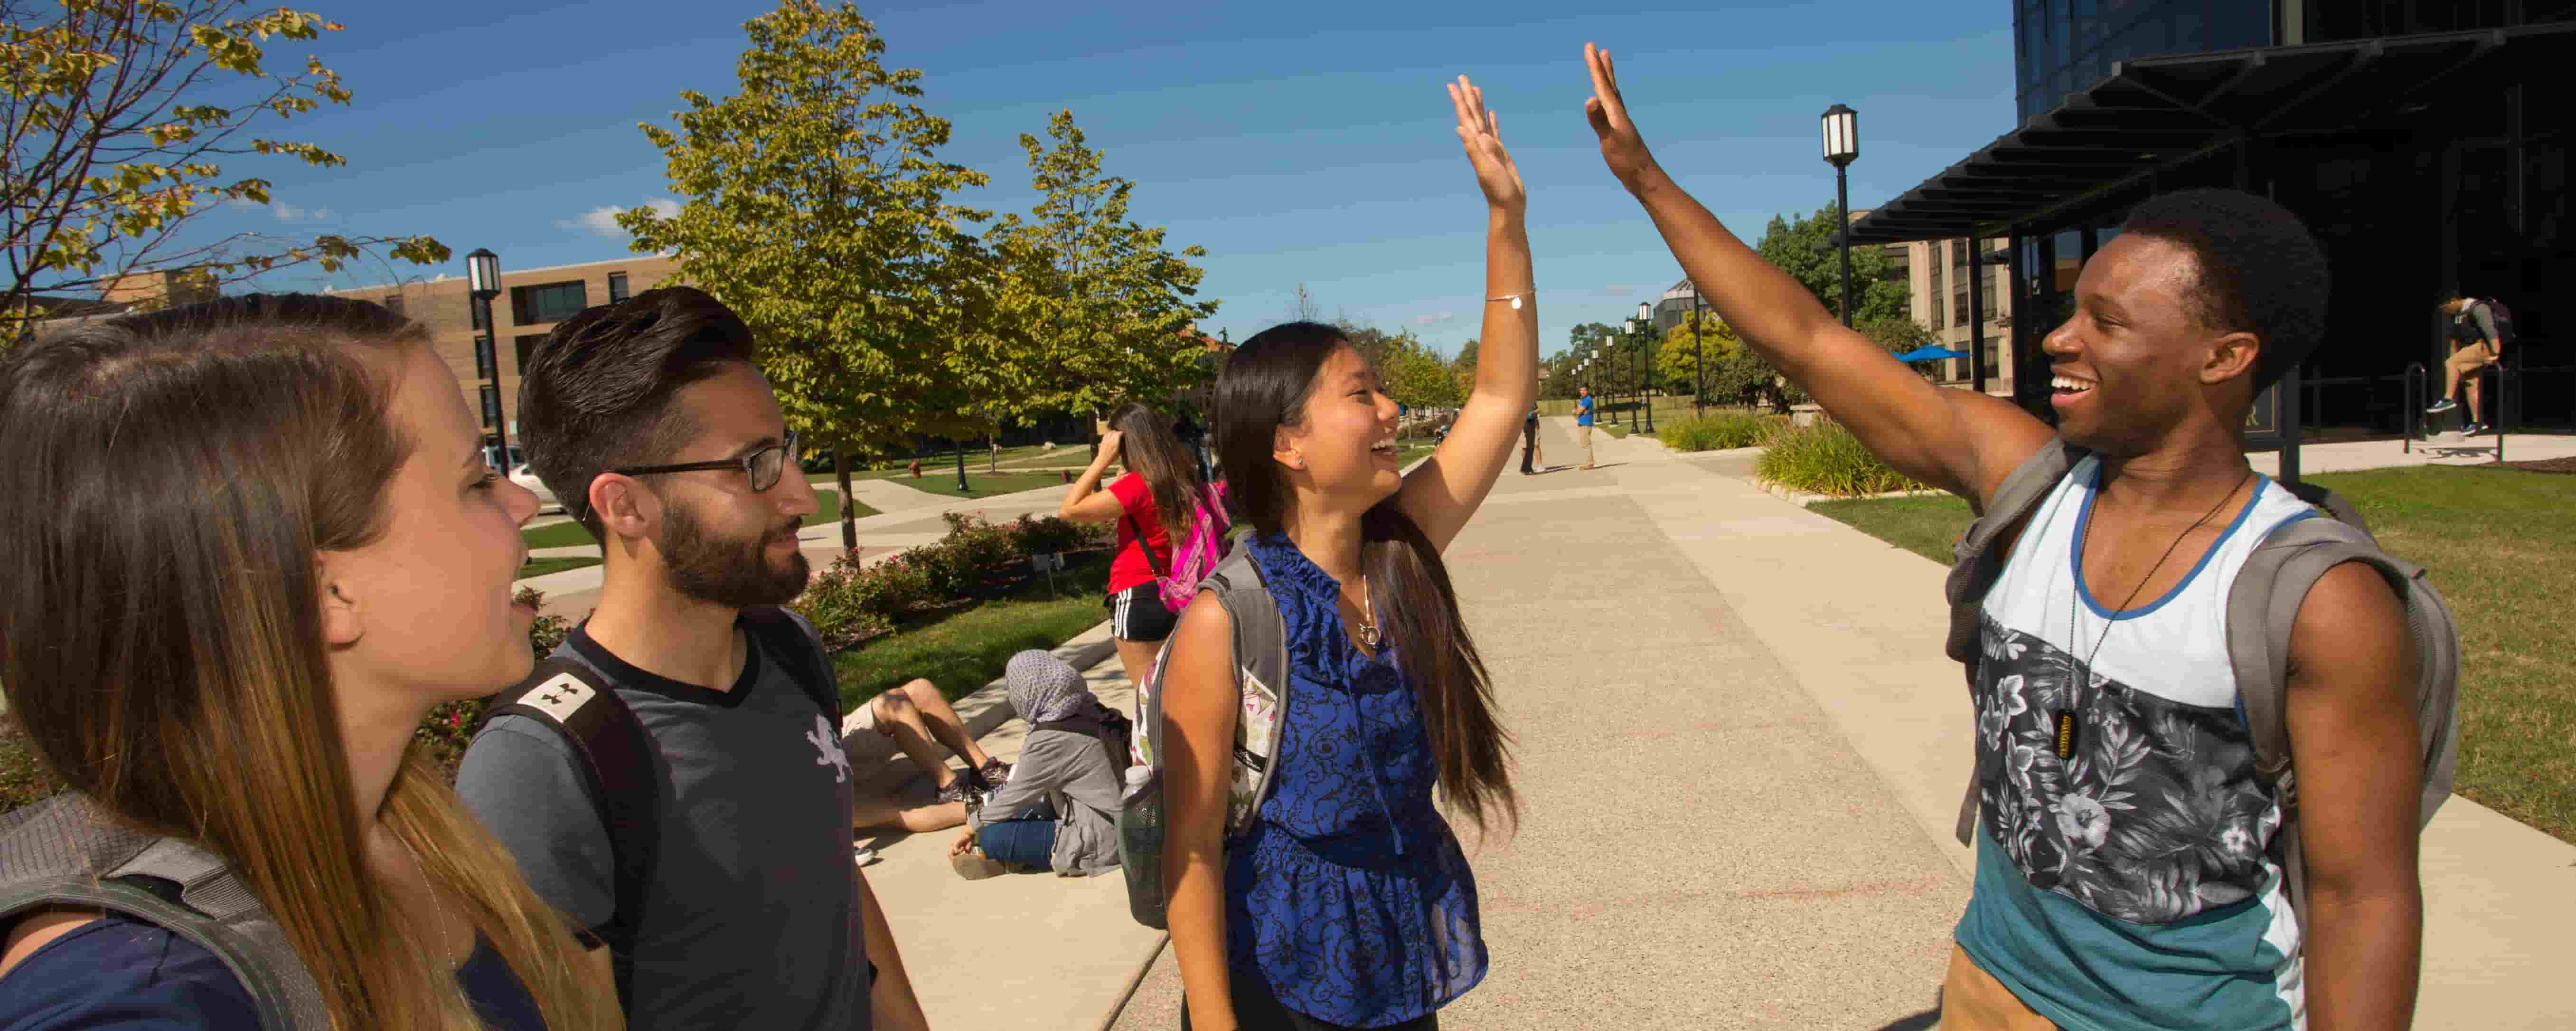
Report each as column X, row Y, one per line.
column 1040, row 536
column 979, row 544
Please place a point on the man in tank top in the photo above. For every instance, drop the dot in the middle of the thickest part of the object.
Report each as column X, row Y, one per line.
column 2129, row 857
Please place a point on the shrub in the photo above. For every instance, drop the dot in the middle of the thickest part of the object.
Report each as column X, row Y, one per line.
column 1047, row 534
column 24, row 780
column 1717, row 432
column 849, row 603
column 980, row 544
column 1826, row 459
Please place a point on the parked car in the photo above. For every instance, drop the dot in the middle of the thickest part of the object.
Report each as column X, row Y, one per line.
column 526, row 477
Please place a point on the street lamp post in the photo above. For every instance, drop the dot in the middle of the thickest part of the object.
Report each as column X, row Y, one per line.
column 1842, row 144
column 483, row 282
column 1699, row 358
column 1637, row 384
column 1646, row 361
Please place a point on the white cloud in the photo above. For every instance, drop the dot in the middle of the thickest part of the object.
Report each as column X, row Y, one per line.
column 603, row 219
column 1433, row 318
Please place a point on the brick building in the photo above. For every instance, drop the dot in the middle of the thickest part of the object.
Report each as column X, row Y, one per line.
column 531, row 302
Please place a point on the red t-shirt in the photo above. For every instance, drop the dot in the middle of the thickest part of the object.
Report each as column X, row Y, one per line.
column 1131, row 567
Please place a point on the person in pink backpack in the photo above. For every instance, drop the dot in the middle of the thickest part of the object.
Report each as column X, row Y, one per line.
column 1160, row 556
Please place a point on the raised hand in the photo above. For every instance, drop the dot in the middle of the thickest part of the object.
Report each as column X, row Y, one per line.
column 1621, row 147
column 1481, row 131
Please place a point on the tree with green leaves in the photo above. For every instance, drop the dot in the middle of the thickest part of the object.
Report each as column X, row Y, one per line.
column 1088, row 309
column 815, row 207
column 1899, row 334
column 1691, row 354
column 1805, row 250
column 1417, row 376
column 1463, row 367
column 121, row 116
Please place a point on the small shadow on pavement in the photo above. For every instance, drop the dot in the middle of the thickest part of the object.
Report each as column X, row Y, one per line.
column 1924, row 1021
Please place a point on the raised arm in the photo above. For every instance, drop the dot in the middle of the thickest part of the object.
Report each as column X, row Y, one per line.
column 1958, row 440
column 1443, row 494
column 1086, row 502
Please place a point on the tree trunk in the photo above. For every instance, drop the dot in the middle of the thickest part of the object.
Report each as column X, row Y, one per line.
column 993, row 454
column 849, row 512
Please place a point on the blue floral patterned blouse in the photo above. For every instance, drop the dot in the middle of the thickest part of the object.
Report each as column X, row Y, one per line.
column 1349, row 895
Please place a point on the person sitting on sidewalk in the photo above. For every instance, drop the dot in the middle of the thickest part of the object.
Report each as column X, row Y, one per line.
column 2478, row 341
column 2131, row 856
column 916, row 721
column 1059, row 811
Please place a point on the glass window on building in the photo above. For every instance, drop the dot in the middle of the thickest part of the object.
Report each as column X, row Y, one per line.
column 547, row 302
column 482, row 361
column 616, row 287
column 1959, row 306
column 526, row 342
column 491, row 406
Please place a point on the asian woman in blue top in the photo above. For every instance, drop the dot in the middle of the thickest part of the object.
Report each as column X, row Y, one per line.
column 1349, row 903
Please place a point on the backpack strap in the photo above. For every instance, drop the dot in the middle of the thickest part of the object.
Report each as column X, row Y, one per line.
column 617, row 763
column 1260, row 674
column 786, row 634
column 80, row 857
column 1155, row 564
column 1978, row 563
column 2262, row 612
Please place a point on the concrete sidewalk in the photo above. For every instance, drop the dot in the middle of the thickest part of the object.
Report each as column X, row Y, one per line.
column 1741, row 750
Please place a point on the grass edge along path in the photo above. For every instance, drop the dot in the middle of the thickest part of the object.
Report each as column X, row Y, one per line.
column 963, row 650
column 2499, row 546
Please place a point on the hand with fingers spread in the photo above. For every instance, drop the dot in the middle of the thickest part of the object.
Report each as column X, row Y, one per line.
column 1621, row 147
column 1481, row 131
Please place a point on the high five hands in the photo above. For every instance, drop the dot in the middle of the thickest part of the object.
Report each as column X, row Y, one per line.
column 1481, row 132
column 1621, row 147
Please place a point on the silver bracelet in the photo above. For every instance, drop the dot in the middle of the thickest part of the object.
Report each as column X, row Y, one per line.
column 1514, row 298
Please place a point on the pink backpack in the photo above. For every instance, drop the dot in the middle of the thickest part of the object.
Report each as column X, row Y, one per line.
column 1195, row 551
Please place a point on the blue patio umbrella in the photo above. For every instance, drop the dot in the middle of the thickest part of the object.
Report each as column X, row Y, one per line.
column 1930, row 352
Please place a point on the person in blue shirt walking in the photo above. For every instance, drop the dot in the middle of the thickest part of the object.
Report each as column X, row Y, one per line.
column 1348, row 903
column 1583, row 425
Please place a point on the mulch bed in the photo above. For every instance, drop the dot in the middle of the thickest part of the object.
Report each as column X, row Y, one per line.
column 2547, row 465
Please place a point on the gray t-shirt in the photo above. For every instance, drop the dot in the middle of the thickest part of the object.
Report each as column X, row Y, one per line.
column 752, row 919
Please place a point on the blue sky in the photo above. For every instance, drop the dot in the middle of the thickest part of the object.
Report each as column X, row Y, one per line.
column 1297, row 144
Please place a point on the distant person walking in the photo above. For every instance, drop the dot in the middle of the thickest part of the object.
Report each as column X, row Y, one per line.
column 1347, row 901
column 1529, row 442
column 2479, row 331
column 1583, row 426
column 1162, row 479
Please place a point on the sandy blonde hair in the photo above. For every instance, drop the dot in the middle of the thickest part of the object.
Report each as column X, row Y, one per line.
column 167, row 483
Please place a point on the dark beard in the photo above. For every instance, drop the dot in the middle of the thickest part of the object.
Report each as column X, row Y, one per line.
column 726, row 572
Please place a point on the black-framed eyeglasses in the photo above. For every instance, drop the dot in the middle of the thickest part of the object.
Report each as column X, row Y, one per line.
column 761, row 468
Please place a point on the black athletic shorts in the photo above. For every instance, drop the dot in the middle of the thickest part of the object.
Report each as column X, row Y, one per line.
column 1137, row 614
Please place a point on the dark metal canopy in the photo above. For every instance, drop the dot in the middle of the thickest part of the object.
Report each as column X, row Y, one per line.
column 2156, row 112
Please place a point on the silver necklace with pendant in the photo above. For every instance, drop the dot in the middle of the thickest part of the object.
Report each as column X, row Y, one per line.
column 1368, row 616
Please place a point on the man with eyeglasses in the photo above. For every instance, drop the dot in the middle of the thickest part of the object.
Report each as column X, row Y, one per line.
column 689, row 702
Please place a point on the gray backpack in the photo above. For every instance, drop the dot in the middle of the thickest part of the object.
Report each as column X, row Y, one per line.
column 64, row 851
column 1261, row 675
column 2262, row 606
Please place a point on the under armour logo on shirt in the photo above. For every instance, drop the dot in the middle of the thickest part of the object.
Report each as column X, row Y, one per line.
column 830, row 749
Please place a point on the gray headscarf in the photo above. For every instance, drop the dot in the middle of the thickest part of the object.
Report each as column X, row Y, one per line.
column 1042, row 687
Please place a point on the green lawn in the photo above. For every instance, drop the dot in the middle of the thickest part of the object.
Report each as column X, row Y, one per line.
column 541, row 566
column 2501, row 546
column 942, row 480
column 571, row 535
column 963, row 651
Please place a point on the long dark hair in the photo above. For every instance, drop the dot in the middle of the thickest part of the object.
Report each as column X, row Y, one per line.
column 1264, row 387
column 1148, row 445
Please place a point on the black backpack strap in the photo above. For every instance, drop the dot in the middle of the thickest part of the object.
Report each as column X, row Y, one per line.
column 786, row 634
column 1151, row 562
column 617, row 764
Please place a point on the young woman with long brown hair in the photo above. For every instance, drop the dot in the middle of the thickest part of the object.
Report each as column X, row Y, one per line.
column 251, row 543
column 1162, row 506
column 1348, row 902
